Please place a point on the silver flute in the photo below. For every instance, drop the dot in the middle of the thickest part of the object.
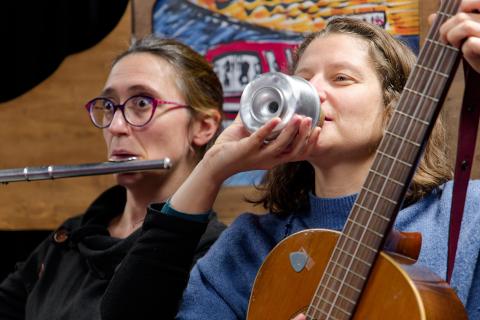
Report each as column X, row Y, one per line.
column 87, row 169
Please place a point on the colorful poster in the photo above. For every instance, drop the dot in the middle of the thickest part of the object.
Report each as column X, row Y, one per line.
column 244, row 38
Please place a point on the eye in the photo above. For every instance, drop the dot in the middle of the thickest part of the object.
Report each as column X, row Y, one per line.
column 107, row 105
column 143, row 102
column 341, row 77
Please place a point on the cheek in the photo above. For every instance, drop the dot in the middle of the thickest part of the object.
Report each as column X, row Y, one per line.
column 364, row 120
column 107, row 137
column 376, row 124
column 373, row 109
column 168, row 135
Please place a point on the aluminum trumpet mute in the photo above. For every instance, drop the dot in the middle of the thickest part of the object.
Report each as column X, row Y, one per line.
column 275, row 94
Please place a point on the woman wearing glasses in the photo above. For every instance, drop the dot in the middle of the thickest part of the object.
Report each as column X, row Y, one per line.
column 161, row 99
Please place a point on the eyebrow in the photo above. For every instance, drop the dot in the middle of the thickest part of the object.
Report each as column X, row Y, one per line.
column 335, row 65
column 109, row 91
column 346, row 65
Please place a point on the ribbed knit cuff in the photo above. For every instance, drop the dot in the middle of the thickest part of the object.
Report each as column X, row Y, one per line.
column 198, row 217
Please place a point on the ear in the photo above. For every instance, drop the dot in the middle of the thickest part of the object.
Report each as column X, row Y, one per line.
column 204, row 128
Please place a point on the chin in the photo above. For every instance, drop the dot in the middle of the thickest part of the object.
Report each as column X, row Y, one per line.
column 128, row 179
column 133, row 179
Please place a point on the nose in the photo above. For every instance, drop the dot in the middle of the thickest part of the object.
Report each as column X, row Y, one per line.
column 118, row 125
column 320, row 87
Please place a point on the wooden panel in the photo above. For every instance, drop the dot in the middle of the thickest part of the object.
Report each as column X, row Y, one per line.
column 142, row 17
column 48, row 125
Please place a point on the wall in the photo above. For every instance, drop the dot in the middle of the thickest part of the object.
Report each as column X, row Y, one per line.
column 48, row 125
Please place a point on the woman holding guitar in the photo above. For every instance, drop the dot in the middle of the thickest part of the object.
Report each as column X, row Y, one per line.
column 315, row 177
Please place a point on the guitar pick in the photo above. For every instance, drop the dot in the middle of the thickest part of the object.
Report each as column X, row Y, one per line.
column 298, row 260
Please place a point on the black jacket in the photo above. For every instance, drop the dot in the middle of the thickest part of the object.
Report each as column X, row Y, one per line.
column 80, row 272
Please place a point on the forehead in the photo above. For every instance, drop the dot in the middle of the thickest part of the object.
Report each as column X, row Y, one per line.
column 141, row 70
column 336, row 49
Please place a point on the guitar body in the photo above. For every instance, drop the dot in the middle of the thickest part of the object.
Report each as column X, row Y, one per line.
column 396, row 287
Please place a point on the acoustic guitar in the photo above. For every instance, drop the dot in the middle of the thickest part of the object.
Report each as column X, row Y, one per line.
column 345, row 275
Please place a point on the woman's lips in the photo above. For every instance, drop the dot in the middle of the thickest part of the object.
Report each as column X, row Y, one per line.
column 122, row 156
column 122, row 159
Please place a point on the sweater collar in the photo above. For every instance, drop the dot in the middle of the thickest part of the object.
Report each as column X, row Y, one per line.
column 108, row 205
column 329, row 213
column 102, row 252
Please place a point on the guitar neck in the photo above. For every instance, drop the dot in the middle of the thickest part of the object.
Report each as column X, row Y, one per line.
column 387, row 182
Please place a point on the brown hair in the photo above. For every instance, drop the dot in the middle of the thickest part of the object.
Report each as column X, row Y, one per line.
column 286, row 187
column 196, row 79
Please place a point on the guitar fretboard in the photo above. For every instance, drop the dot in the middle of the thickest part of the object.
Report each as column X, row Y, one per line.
column 389, row 177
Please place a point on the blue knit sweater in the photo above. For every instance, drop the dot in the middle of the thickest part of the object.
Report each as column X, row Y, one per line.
column 220, row 283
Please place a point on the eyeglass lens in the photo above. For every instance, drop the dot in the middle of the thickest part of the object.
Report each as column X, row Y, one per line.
column 137, row 111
